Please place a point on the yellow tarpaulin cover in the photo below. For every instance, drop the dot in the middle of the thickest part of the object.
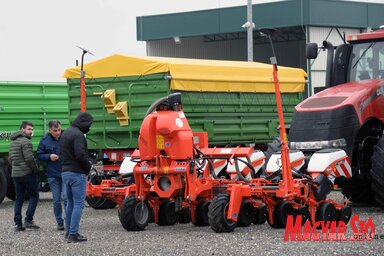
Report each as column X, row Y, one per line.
column 196, row 74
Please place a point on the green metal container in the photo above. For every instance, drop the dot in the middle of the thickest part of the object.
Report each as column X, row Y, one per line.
column 229, row 118
column 35, row 102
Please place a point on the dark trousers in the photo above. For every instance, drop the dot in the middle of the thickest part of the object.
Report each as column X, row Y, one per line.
column 27, row 183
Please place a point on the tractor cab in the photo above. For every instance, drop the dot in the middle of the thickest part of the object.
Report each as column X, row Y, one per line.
column 348, row 113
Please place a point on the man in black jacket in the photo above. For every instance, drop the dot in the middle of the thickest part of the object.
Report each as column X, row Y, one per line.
column 74, row 171
column 25, row 175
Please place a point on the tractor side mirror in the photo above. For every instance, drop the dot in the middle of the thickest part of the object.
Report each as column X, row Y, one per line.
column 311, row 51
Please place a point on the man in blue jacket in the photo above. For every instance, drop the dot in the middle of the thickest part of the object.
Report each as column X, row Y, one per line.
column 49, row 152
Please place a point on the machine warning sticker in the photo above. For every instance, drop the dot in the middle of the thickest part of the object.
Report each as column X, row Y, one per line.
column 226, row 151
column 180, row 168
column 159, row 142
column 181, row 114
column 179, row 122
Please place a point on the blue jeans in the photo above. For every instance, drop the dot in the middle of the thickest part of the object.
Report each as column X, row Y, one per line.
column 27, row 183
column 58, row 194
column 75, row 186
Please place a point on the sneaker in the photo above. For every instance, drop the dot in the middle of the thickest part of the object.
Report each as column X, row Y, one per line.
column 60, row 227
column 19, row 228
column 76, row 238
column 31, row 225
column 66, row 236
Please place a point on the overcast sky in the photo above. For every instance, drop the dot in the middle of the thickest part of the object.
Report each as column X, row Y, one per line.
column 38, row 37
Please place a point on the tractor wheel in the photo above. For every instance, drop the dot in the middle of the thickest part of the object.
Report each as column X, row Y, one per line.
column 201, row 213
column 133, row 214
column 246, row 214
column 217, row 214
column 167, row 214
column 3, row 183
column 273, row 147
column 261, row 215
column 99, row 202
column 305, row 214
column 326, row 212
column 185, row 215
column 280, row 214
column 377, row 172
column 344, row 214
column 358, row 189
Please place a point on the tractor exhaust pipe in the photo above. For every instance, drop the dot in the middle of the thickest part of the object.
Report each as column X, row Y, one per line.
column 329, row 70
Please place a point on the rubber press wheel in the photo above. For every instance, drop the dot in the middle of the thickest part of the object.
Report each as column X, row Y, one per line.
column 261, row 215
column 201, row 213
column 167, row 214
column 344, row 214
column 133, row 214
column 246, row 214
column 326, row 212
column 280, row 214
column 185, row 215
column 217, row 214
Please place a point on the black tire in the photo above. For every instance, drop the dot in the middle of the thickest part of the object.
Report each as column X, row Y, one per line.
column 11, row 192
column 344, row 214
column 273, row 147
column 133, row 214
column 201, row 213
column 280, row 214
column 377, row 172
column 261, row 215
column 217, row 214
column 167, row 214
column 246, row 214
column 185, row 215
column 358, row 189
column 3, row 183
column 305, row 214
column 326, row 212
column 99, row 203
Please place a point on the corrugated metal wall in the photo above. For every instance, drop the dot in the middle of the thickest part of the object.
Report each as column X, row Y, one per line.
column 318, row 35
column 288, row 53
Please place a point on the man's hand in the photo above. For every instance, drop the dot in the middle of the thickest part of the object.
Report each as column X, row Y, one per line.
column 53, row 157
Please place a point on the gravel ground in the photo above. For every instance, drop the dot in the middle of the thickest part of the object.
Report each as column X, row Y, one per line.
column 106, row 236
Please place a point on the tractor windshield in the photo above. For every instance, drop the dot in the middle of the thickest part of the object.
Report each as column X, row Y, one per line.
column 367, row 61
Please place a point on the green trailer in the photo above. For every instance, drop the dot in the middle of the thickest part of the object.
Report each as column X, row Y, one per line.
column 234, row 102
column 35, row 102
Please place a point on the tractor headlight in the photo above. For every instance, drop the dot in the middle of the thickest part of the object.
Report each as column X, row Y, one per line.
column 338, row 143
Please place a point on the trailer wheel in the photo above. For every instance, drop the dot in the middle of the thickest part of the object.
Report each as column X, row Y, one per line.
column 280, row 214
column 246, row 215
column 133, row 214
column 167, row 214
column 201, row 213
column 326, row 212
column 11, row 192
column 377, row 172
column 3, row 183
column 344, row 214
column 185, row 215
column 261, row 215
column 217, row 214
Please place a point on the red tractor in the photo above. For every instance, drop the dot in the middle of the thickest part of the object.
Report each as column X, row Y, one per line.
column 349, row 113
